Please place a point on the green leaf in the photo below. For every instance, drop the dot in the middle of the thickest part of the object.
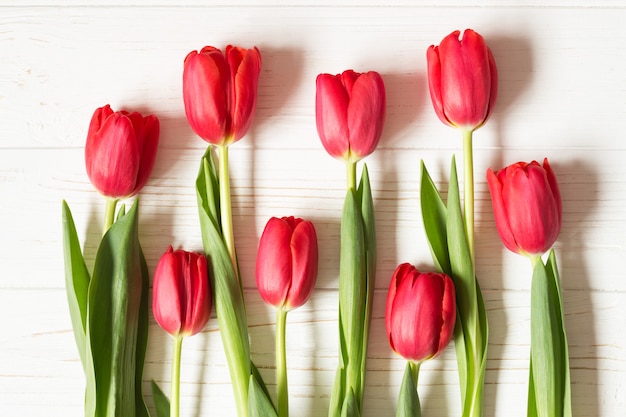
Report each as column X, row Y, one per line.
column 543, row 344
column 142, row 339
column 532, row 401
column 350, row 405
column 76, row 281
column 352, row 289
column 434, row 216
column 565, row 380
column 460, row 258
column 408, row 400
column 113, row 317
column 161, row 402
column 259, row 404
column 366, row 201
column 549, row 352
column 228, row 296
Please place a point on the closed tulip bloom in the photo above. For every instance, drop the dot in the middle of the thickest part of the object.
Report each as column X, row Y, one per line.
column 181, row 301
column 463, row 80
column 350, row 113
column 286, row 267
column 220, row 92
column 420, row 314
column 120, row 151
column 527, row 206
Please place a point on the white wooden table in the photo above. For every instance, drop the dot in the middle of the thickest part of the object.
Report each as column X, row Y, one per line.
column 562, row 68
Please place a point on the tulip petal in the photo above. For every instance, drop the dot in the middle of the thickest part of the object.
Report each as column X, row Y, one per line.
column 148, row 150
column 245, row 67
column 304, row 255
column 112, row 157
column 366, row 114
column 273, row 267
column 205, row 82
column 331, row 108
column 434, row 82
column 166, row 304
column 500, row 212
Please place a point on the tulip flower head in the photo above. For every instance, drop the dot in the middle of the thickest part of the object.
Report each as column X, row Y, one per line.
column 463, row 80
column 350, row 113
column 527, row 206
column 220, row 92
column 420, row 313
column 181, row 301
column 120, row 151
column 286, row 268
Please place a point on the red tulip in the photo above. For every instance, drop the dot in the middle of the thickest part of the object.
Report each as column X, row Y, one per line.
column 527, row 206
column 181, row 292
column 463, row 80
column 421, row 313
column 286, row 267
column 350, row 112
column 120, row 151
column 220, row 91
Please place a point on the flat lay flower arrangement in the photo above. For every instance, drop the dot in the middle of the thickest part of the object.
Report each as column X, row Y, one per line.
column 427, row 309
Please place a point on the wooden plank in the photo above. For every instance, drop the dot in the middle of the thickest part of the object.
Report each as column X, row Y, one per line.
column 62, row 63
column 309, row 184
column 41, row 369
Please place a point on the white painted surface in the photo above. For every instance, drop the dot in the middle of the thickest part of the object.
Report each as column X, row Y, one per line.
column 562, row 67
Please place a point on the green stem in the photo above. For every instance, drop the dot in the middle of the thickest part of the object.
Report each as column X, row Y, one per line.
column 226, row 211
column 281, row 363
column 468, row 191
column 109, row 213
column 351, row 174
column 415, row 370
column 175, row 379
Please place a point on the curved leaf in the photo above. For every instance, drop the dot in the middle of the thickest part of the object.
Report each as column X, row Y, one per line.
column 434, row 217
column 113, row 317
column 76, row 280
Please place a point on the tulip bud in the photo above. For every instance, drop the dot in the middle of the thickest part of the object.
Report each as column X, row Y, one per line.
column 220, row 91
column 120, row 151
column 350, row 112
column 527, row 206
column 181, row 301
column 420, row 314
column 286, row 267
column 463, row 80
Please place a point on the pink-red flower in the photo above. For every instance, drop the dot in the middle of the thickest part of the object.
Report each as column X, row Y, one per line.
column 527, row 206
column 181, row 301
column 463, row 80
column 420, row 314
column 286, row 267
column 220, row 92
column 120, row 151
column 350, row 113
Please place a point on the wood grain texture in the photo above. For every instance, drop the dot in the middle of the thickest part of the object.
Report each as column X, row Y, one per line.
column 562, row 69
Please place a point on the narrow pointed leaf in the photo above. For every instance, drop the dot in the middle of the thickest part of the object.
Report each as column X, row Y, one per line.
column 350, row 406
column 259, row 404
column 115, row 294
column 161, row 402
column 408, row 399
column 228, row 296
column 460, row 259
column 542, row 321
column 338, row 393
column 369, row 228
column 76, row 280
column 352, row 288
column 434, row 216
column 142, row 339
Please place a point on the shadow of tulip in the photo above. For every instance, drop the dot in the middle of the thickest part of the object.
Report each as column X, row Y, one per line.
column 514, row 60
column 578, row 184
column 405, row 100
